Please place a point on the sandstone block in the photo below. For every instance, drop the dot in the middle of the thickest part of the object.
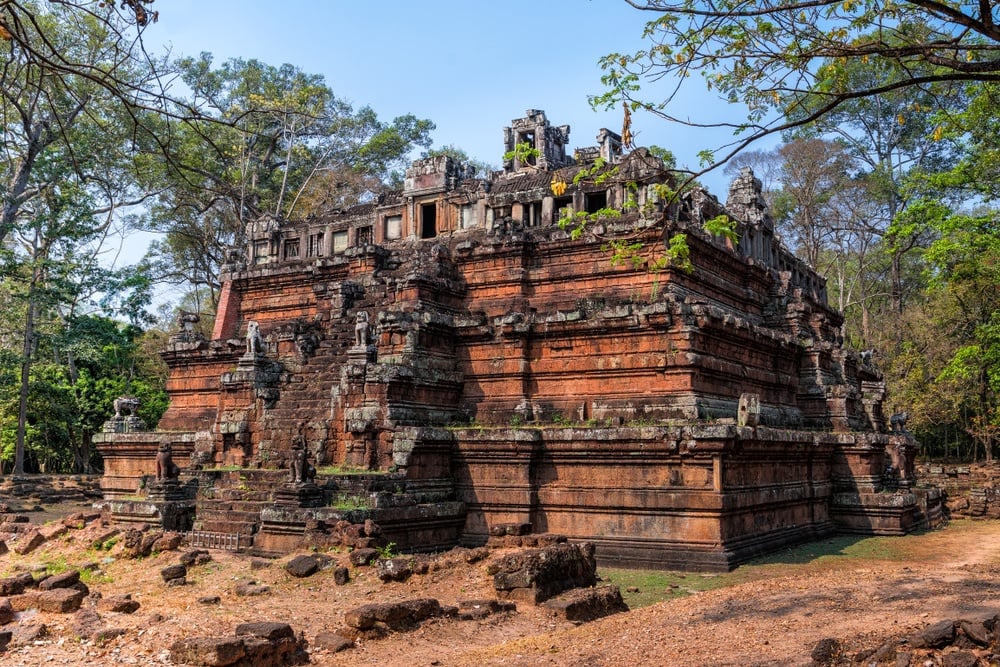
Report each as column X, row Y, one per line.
column 332, row 642
column 393, row 569
column 172, row 572
column 195, row 557
column 208, row 651
column 341, row 576
column 250, row 589
column 302, row 566
column 270, row 630
column 361, row 557
column 395, row 615
column 166, row 542
column 587, row 604
column 53, row 530
column 29, row 541
column 935, row 635
column 62, row 580
column 103, row 536
column 57, row 600
column 121, row 604
column 538, row 574
column 6, row 611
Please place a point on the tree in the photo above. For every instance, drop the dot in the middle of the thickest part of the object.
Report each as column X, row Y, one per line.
column 68, row 163
column 269, row 140
column 784, row 62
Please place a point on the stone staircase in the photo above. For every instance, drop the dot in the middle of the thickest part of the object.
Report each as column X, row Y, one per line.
column 231, row 502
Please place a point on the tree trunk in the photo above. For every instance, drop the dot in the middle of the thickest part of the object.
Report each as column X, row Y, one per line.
column 22, row 408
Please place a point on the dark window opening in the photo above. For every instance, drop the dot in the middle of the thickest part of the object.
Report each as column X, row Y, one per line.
column 428, row 221
column 533, row 214
column 562, row 207
column 315, row 245
column 291, row 248
column 528, row 138
column 365, row 236
column 595, row 201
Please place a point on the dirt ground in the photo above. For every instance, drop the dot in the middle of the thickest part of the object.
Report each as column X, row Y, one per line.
column 772, row 614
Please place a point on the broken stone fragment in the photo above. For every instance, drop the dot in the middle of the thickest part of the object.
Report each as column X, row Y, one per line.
column 29, row 542
column 173, row 572
column 121, row 604
column 63, row 580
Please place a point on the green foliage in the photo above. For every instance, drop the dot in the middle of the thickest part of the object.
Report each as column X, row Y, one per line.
column 523, row 154
column 724, row 226
column 788, row 63
column 679, row 253
column 387, row 551
column 269, row 140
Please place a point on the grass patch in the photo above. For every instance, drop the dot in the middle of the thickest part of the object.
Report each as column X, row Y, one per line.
column 348, row 503
column 838, row 551
column 347, row 470
column 659, row 586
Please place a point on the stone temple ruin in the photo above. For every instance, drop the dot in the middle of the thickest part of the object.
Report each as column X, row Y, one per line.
column 448, row 362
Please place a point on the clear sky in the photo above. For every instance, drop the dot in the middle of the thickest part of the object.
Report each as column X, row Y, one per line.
column 470, row 66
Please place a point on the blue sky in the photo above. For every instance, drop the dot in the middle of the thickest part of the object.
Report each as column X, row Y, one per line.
column 470, row 66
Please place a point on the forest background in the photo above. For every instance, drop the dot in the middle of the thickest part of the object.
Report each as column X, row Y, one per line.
column 872, row 125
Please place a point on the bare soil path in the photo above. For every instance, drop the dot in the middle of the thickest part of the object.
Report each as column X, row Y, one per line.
column 772, row 612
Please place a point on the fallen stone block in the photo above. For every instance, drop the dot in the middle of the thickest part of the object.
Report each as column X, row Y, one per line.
column 360, row 557
column 15, row 585
column 261, row 644
column 398, row 616
column 475, row 610
column 29, row 634
column 57, row 600
column 208, row 651
column 250, row 589
column 29, row 541
column 587, row 604
column 173, row 573
column 332, row 642
column 341, row 576
column 120, row 604
column 5, row 638
column 934, row 635
column 50, row 531
column 167, row 542
column 87, row 624
column 394, row 569
column 195, row 557
column 307, row 565
column 103, row 537
column 539, row 574
column 269, row 630
column 6, row 611
column 62, row 580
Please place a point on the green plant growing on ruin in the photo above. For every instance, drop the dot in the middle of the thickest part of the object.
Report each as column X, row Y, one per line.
column 347, row 503
column 679, row 253
column 724, row 226
column 387, row 551
column 524, row 154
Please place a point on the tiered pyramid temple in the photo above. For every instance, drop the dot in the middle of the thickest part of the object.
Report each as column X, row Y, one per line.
column 449, row 361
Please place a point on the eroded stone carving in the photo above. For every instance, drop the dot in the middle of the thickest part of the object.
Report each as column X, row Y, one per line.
column 255, row 342
column 166, row 469
column 361, row 328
